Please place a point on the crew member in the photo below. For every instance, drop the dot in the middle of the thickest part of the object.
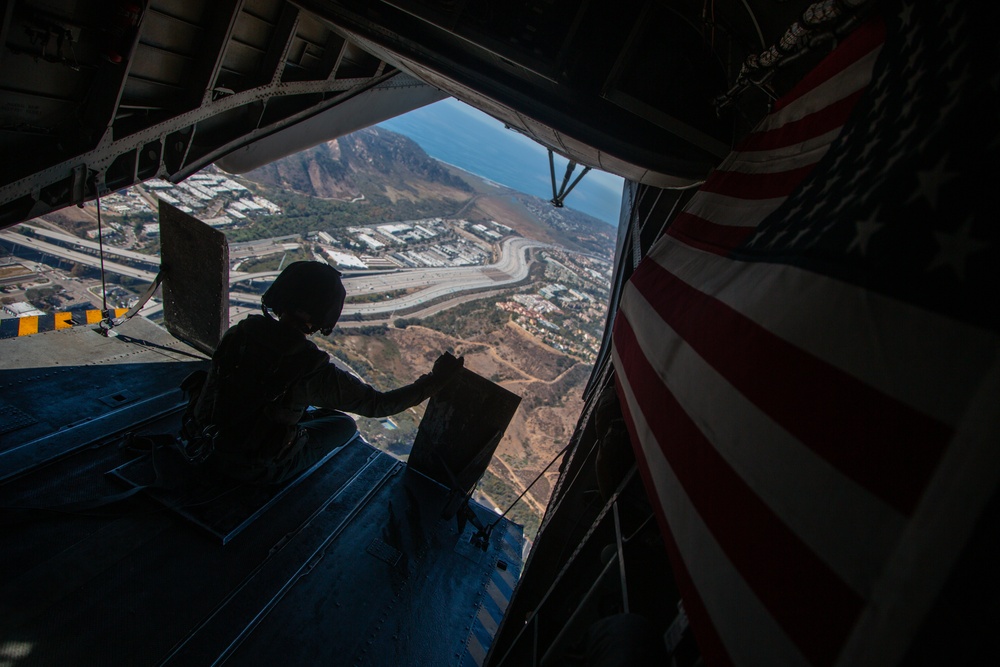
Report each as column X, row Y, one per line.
column 266, row 372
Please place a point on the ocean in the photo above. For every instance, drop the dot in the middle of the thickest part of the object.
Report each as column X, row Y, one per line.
column 454, row 132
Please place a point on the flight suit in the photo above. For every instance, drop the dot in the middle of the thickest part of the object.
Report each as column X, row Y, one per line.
column 264, row 375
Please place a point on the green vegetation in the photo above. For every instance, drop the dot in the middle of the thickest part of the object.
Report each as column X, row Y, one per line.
column 302, row 214
column 273, row 262
column 134, row 284
column 368, row 330
column 467, row 320
column 369, row 368
column 378, row 296
column 138, row 218
column 44, row 297
column 397, row 441
column 503, row 495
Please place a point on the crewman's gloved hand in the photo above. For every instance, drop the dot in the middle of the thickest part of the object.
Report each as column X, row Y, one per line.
column 445, row 368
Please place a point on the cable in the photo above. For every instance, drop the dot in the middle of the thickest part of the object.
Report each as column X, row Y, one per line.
column 108, row 322
column 753, row 17
column 527, row 488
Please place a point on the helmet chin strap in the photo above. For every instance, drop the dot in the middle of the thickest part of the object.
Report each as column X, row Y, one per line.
column 297, row 319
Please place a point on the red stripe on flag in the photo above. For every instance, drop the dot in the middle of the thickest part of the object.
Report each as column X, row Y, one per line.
column 865, row 39
column 710, row 645
column 830, row 118
column 755, row 186
column 885, row 446
column 708, row 236
column 815, row 608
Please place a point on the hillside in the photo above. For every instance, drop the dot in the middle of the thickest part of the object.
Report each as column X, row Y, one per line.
column 550, row 384
column 372, row 163
column 385, row 176
column 372, row 176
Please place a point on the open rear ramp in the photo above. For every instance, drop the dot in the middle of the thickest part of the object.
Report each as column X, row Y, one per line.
column 353, row 565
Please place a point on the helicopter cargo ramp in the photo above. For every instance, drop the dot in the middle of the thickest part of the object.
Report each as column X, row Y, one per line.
column 353, row 565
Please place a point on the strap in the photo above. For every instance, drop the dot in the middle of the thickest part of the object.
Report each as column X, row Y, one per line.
column 142, row 300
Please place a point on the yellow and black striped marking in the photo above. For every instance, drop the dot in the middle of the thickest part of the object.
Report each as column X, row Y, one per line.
column 493, row 604
column 24, row 326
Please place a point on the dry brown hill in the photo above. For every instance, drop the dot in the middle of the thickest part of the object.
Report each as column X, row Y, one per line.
column 367, row 163
column 551, row 386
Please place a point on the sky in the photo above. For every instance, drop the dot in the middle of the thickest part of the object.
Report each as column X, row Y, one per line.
column 458, row 134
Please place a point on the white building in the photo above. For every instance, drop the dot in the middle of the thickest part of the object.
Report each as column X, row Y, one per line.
column 345, row 260
column 370, row 242
column 21, row 309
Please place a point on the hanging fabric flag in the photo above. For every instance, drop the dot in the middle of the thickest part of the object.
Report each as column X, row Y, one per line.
column 808, row 357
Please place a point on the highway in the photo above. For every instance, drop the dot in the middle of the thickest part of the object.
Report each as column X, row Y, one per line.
column 425, row 284
column 429, row 284
column 95, row 260
column 149, row 260
column 434, row 283
column 75, row 256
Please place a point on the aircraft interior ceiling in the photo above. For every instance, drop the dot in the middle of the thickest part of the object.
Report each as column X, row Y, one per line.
column 96, row 96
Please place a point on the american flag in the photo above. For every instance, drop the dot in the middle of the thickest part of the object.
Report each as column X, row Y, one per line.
column 809, row 358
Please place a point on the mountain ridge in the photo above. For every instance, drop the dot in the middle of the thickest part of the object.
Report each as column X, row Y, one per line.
column 369, row 163
column 385, row 170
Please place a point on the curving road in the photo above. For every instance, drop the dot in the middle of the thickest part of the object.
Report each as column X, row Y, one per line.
column 425, row 284
column 429, row 284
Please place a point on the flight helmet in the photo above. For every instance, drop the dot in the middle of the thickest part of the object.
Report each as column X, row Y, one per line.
column 309, row 288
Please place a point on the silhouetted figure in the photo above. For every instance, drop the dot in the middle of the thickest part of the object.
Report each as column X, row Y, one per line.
column 266, row 372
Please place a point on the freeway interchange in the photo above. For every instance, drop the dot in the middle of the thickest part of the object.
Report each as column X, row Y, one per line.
column 422, row 285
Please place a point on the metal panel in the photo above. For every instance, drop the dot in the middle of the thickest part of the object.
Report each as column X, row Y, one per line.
column 398, row 95
column 12, row 419
column 461, row 429
column 195, row 266
column 224, row 507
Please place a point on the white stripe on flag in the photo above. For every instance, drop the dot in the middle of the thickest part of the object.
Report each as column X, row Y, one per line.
column 775, row 160
column 731, row 211
column 749, row 633
column 848, row 528
column 824, row 316
column 848, row 81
